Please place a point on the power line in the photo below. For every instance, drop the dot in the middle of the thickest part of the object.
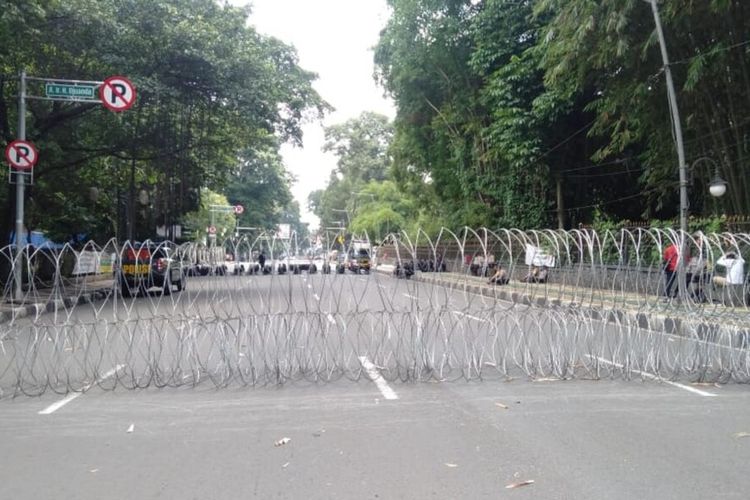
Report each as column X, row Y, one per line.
column 712, row 51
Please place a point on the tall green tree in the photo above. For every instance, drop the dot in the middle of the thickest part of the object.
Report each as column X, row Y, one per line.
column 211, row 90
column 361, row 146
column 611, row 46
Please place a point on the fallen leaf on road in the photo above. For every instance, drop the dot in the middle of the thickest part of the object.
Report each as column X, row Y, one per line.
column 131, row 428
column 282, row 442
column 742, row 435
column 452, row 466
column 518, row 485
column 504, row 407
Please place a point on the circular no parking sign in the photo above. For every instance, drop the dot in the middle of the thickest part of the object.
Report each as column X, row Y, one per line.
column 21, row 155
column 117, row 93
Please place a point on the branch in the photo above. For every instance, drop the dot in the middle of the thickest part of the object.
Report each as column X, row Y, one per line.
column 54, row 119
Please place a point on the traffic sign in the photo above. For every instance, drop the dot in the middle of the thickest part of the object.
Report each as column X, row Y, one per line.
column 211, row 229
column 117, row 93
column 222, row 208
column 21, row 155
column 70, row 91
column 239, row 209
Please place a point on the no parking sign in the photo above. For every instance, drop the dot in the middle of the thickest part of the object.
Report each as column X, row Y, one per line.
column 117, row 93
column 21, row 155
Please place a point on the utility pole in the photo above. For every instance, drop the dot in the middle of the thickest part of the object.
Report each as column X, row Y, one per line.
column 20, row 186
column 677, row 124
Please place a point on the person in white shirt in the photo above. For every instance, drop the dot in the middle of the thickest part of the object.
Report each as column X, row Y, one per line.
column 735, row 266
column 732, row 285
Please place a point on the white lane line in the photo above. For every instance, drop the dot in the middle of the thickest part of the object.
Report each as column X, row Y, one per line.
column 331, row 319
column 376, row 377
column 470, row 316
column 654, row 377
column 70, row 397
column 410, row 296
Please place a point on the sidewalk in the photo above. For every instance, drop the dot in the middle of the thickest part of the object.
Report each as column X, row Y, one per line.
column 41, row 300
column 647, row 311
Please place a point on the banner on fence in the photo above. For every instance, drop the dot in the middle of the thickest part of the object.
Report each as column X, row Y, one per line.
column 89, row 262
column 535, row 256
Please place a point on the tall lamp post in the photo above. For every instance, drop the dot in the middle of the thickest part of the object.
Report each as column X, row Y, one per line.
column 676, row 123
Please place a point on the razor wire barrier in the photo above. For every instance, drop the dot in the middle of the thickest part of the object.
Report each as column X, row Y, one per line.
column 261, row 310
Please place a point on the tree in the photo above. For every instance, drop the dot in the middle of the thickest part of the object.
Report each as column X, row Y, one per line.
column 615, row 51
column 517, row 111
column 361, row 145
column 210, row 89
column 204, row 217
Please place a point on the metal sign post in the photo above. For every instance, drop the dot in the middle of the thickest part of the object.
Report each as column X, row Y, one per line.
column 116, row 93
column 20, row 185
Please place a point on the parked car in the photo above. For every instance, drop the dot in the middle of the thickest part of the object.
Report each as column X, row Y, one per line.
column 298, row 264
column 358, row 261
column 150, row 266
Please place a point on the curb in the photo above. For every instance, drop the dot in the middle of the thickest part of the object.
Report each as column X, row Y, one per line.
column 668, row 324
column 37, row 308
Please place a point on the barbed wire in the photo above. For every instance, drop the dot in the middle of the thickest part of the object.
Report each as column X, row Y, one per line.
column 566, row 304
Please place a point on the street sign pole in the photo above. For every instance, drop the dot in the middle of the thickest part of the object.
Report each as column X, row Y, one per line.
column 20, row 187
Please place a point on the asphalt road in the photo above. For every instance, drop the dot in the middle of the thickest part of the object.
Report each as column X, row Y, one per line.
column 368, row 436
column 573, row 439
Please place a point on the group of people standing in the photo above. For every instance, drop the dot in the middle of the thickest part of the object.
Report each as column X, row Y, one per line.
column 699, row 273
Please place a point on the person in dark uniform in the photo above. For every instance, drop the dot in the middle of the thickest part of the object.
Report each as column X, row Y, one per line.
column 262, row 260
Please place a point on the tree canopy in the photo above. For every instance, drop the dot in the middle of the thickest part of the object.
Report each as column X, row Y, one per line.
column 520, row 113
column 215, row 99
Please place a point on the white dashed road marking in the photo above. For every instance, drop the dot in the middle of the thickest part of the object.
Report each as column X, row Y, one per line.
column 70, row 397
column 375, row 376
column 459, row 313
column 654, row 377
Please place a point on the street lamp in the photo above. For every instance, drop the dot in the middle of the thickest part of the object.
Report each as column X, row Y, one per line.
column 672, row 97
column 717, row 186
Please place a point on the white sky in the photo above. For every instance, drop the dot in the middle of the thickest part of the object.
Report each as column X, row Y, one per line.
column 334, row 38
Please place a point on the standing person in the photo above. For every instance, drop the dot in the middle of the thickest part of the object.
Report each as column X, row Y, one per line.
column 734, row 279
column 671, row 265
column 262, row 261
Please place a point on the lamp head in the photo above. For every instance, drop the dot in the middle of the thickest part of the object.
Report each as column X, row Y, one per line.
column 717, row 187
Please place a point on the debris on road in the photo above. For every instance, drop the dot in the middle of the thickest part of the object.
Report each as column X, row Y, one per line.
column 742, row 435
column 319, row 433
column 131, row 428
column 500, row 405
column 547, row 379
column 452, row 466
column 94, row 470
column 281, row 442
column 518, row 485
column 285, row 465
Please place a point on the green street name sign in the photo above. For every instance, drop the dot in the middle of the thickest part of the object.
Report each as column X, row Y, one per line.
column 222, row 208
column 67, row 91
